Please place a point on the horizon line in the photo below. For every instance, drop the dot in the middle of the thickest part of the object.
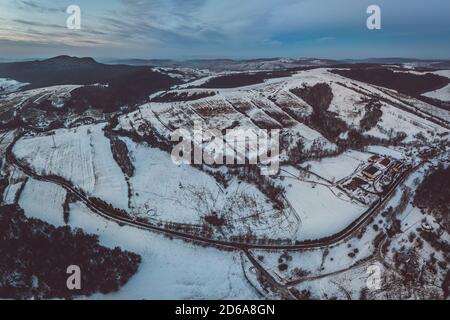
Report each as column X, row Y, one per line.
column 98, row 58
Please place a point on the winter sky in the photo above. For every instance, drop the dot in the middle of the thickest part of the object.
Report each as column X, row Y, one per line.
column 225, row 29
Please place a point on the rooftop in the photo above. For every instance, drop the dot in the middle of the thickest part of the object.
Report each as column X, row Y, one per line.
column 385, row 162
column 371, row 170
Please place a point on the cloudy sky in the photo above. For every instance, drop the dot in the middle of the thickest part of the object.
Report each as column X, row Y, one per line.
column 225, row 29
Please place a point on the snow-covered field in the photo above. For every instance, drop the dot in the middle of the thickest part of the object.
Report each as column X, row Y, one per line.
column 16, row 180
column 347, row 104
column 10, row 85
column 323, row 210
column 444, row 73
column 170, row 269
column 10, row 192
column 55, row 94
column 248, row 108
column 5, row 139
column 271, row 104
column 81, row 155
column 394, row 121
column 337, row 168
column 440, row 94
column 384, row 151
column 43, row 200
column 164, row 191
column 160, row 190
column 341, row 286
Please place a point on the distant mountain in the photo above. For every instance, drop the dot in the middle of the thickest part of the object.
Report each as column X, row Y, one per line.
column 63, row 70
column 276, row 63
column 219, row 65
column 122, row 85
column 140, row 62
column 406, row 62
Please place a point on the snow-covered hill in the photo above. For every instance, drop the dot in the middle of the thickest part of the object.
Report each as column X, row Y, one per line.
column 344, row 143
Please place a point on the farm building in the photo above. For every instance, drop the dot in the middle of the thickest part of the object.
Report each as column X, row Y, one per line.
column 398, row 167
column 370, row 172
column 355, row 184
column 385, row 162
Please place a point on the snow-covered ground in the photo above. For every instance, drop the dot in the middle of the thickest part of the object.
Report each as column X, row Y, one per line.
column 271, row 104
column 440, row 94
column 10, row 85
column 323, row 210
column 320, row 261
column 337, row 168
column 44, row 201
column 9, row 195
column 444, row 73
column 347, row 283
column 164, row 191
column 384, row 151
column 5, row 139
column 170, row 269
column 81, row 155
column 347, row 104
column 160, row 190
column 55, row 94
column 341, row 286
column 394, row 121
column 16, row 180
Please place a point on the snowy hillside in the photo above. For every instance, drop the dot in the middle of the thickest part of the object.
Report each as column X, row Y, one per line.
column 9, row 85
column 440, row 94
column 352, row 157
column 82, row 156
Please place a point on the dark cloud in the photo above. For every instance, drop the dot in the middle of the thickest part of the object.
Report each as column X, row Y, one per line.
column 29, row 23
column 325, row 28
column 32, row 5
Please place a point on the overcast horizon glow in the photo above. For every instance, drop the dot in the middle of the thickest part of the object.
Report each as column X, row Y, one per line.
column 183, row 29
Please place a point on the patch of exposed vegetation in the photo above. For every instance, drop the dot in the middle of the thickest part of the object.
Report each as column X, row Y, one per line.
column 433, row 196
column 215, row 220
column 319, row 97
column 372, row 116
column 183, row 96
column 34, row 257
column 3, row 185
column 243, row 79
column 120, row 153
column 404, row 82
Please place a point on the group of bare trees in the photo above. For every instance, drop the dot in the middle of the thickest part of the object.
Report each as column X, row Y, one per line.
column 433, row 196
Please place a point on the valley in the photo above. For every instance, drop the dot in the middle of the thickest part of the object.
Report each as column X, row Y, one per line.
column 353, row 152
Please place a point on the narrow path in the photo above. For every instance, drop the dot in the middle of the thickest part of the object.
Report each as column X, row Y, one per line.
column 286, row 294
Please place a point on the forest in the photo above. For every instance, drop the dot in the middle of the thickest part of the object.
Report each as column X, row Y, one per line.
column 34, row 257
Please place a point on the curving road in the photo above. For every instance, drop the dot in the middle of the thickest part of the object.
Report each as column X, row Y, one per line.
column 109, row 214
